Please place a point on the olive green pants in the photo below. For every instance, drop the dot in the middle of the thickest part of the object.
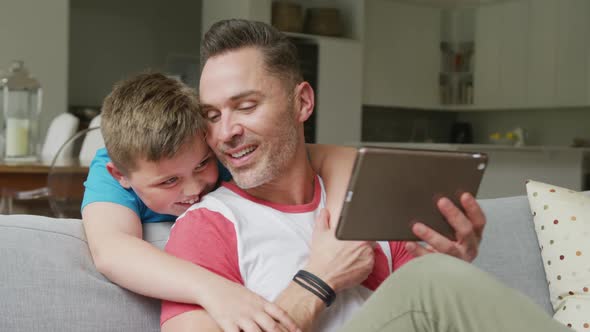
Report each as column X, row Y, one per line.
column 438, row 293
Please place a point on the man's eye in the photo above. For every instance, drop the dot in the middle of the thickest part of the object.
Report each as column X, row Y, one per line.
column 170, row 181
column 212, row 116
column 246, row 106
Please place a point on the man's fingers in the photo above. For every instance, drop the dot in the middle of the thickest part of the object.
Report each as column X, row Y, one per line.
column 281, row 316
column 248, row 325
column 455, row 217
column 437, row 241
column 416, row 250
column 229, row 327
column 474, row 213
column 268, row 324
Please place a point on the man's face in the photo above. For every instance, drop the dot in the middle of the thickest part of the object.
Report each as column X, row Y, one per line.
column 252, row 124
column 171, row 186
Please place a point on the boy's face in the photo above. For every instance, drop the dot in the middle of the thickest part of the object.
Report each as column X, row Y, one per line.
column 171, row 186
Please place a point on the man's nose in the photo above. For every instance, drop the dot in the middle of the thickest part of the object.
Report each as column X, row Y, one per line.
column 229, row 128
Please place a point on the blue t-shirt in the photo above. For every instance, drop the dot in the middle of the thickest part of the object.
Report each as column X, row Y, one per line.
column 102, row 187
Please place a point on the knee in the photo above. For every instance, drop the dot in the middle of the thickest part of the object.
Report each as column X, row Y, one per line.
column 436, row 269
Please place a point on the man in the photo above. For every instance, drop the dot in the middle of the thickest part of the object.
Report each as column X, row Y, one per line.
column 259, row 229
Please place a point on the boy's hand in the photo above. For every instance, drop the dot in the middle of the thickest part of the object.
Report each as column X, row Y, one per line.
column 235, row 308
column 341, row 264
column 468, row 231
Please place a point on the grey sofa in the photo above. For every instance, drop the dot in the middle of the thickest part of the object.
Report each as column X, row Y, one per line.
column 48, row 281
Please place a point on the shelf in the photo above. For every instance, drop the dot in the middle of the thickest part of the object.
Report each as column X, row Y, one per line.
column 457, row 73
column 319, row 37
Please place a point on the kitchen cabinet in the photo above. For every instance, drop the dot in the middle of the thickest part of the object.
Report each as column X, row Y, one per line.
column 501, row 55
column 339, row 76
column 528, row 54
column 558, row 72
column 573, row 21
column 532, row 53
column 542, row 62
column 401, row 54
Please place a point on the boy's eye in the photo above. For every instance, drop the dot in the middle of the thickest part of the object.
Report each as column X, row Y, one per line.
column 170, row 181
column 202, row 165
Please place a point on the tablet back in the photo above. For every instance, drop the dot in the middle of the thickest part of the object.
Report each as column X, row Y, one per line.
column 390, row 189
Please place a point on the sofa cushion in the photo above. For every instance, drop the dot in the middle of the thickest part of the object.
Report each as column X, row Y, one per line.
column 49, row 282
column 562, row 223
column 509, row 249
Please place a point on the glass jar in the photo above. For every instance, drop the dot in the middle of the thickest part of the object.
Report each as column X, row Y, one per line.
column 21, row 99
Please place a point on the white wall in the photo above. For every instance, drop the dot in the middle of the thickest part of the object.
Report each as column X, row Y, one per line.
column 37, row 33
column 111, row 39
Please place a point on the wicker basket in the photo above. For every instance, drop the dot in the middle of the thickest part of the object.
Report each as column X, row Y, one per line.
column 287, row 16
column 323, row 21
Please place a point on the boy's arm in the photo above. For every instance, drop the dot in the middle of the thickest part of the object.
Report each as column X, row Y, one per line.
column 196, row 320
column 334, row 164
column 208, row 239
column 114, row 236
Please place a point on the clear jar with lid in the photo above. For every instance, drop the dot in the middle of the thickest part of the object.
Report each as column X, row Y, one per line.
column 21, row 103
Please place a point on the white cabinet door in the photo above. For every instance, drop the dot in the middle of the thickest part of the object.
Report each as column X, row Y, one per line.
column 514, row 53
column 572, row 58
column 401, row 56
column 558, row 66
column 542, row 64
column 501, row 55
column 488, row 45
column 339, row 109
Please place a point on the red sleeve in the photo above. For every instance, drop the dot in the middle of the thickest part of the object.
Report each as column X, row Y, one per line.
column 399, row 254
column 208, row 239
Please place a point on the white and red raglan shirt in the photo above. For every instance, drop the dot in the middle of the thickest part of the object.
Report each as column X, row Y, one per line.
column 261, row 245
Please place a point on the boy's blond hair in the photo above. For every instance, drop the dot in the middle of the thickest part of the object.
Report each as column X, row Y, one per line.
column 149, row 117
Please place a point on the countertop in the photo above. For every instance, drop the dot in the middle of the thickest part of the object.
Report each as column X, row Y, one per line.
column 478, row 147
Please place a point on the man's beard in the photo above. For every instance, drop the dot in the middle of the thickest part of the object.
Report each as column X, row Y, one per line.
column 275, row 153
column 275, row 156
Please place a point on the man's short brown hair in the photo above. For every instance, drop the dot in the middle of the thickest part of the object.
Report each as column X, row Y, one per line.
column 150, row 117
column 280, row 54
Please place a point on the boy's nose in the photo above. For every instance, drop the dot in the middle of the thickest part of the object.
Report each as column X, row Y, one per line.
column 193, row 187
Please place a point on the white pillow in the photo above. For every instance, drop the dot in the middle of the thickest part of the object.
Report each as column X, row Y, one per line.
column 562, row 224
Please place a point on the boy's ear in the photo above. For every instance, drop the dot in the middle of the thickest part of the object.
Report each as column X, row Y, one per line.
column 305, row 101
column 118, row 175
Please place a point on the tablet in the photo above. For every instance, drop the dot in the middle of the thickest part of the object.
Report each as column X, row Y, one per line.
column 392, row 188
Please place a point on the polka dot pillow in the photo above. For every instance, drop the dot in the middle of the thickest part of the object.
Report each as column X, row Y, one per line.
column 562, row 224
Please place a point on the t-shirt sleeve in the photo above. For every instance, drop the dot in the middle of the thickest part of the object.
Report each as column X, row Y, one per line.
column 399, row 254
column 208, row 239
column 100, row 186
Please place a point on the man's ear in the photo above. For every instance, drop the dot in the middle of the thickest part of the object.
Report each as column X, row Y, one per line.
column 305, row 101
column 118, row 175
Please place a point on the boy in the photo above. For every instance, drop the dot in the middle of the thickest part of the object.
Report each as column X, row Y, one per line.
column 159, row 165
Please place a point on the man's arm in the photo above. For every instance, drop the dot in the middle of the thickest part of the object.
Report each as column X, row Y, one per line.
column 114, row 236
column 334, row 164
column 340, row 264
